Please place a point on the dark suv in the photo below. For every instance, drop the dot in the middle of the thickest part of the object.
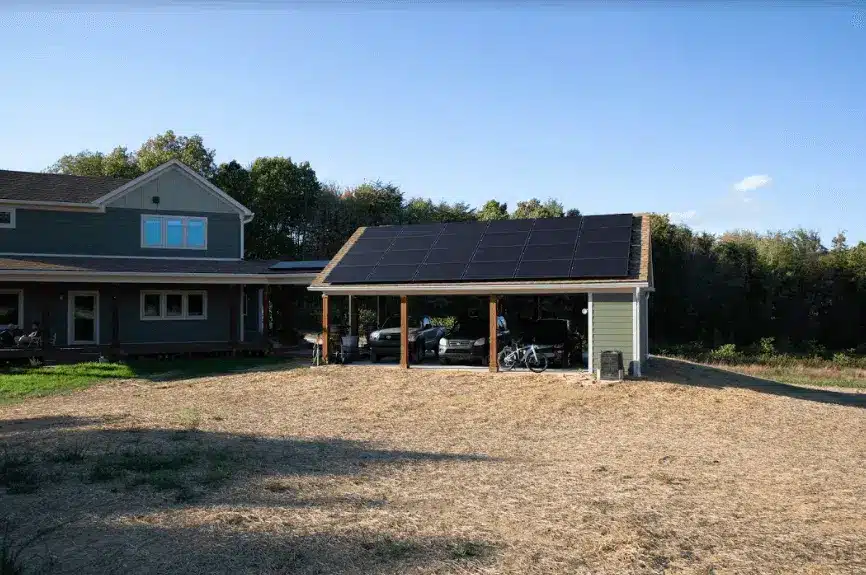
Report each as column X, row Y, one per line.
column 555, row 340
column 468, row 341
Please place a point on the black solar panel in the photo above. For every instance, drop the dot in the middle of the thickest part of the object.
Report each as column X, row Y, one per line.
column 599, row 268
column 354, row 258
column 602, row 250
column 610, row 221
column 495, row 240
column 505, row 226
column 557, row 223
column 413, row 242
column 448, row 241
column 453, row 255
column 462, row 228
column 388, row 274
column 550, row 269
column 490, row 271
column 349, row 274
column 497, row 254
column 372, row 244
column 544, row 237
column 404, row 257
column 381, row 232
column 551, row 248
column 440, row 272
column 619, row 234
column 548, row 252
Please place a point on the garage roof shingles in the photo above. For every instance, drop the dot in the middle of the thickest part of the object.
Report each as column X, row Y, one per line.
column 41, row 187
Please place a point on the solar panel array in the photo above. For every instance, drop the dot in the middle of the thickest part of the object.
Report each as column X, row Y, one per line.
column 581, row 247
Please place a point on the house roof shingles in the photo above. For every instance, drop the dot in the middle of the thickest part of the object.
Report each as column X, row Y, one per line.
column 138, row 266
column 41, row 187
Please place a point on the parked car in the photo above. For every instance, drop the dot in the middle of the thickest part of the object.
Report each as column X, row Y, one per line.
column 555, row 340
column 468, row 340
column 385, row 341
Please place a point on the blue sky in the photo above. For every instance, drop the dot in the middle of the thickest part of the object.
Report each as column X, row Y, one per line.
column 648, row 107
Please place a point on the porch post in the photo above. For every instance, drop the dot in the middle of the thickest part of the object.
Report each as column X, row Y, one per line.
column 115, row 318
column 353, row 316
column 48, row 297
column 325, row 323
column 233, row 316
column 404, row 332
column 266, row 312
column 493, row 361
column 378, row 311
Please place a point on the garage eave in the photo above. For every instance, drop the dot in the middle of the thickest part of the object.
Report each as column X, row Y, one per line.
column 486, row 288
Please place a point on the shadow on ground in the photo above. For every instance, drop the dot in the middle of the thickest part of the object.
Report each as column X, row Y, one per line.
column 686, row 373
column 93, row 496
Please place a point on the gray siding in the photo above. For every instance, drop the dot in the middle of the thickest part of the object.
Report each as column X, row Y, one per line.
column 644, row 329
column 117, row 232
column 176, row 191
column 612, row 326
column 55, row 297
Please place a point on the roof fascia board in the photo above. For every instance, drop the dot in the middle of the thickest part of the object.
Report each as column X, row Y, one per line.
column 52, row 206
column 481, row 289
column 144, row 178
column 146, row 277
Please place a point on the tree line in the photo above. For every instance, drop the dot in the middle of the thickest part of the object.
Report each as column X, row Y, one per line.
column 737, row 288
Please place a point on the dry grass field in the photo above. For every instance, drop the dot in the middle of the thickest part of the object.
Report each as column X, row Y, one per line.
column 373, row 470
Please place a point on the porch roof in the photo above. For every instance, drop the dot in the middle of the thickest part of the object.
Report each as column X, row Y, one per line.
column 149, row 270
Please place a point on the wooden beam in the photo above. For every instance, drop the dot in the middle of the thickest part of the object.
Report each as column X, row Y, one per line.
column 325, row 323
column 493, row 362
column 404, row 332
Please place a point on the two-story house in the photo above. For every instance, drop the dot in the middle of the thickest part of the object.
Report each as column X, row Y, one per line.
column 149, row 265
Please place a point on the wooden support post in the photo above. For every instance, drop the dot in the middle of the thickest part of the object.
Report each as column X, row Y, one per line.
column 494, row 329
column 233, row 316
column 115, row 319
column 325, row 322
column 48, row 298
column 266, row 312
column 404, row 332
column 353, row 316
column 378, row 311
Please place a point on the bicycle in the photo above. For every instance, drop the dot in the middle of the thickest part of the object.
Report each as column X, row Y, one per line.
column 527, row 355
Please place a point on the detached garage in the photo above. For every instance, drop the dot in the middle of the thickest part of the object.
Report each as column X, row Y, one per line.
column 606, row 257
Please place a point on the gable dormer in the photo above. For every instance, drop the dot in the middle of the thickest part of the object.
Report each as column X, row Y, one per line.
column 169, row 212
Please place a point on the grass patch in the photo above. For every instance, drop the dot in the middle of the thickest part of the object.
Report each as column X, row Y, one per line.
column 18, row 383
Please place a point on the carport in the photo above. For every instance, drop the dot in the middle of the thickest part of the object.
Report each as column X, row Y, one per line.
column 607, row 257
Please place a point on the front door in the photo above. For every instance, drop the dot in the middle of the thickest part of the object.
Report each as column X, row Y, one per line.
column 84, row 317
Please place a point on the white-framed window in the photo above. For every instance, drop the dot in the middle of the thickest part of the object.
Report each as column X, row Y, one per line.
column 173, row 305
column 7, row 217
column 173, row 232
column 11, row 308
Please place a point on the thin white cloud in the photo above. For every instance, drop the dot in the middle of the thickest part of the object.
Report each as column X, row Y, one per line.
column 752, row 183
column 682, row 217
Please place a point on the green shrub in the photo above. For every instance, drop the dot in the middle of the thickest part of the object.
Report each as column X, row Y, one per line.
column 842, row 359
column 767, row 346
column 725, row 354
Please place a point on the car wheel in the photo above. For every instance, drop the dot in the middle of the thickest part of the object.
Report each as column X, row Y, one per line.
column 436, row 351
column 419, row 354
column 485, row 360
column 444, row 360
column 374, row 357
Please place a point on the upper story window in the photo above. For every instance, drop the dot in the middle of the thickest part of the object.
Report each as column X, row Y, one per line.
column 7, row 217
column 173, row 232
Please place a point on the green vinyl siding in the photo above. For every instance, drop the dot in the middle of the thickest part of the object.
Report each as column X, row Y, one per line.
column 612, row 326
